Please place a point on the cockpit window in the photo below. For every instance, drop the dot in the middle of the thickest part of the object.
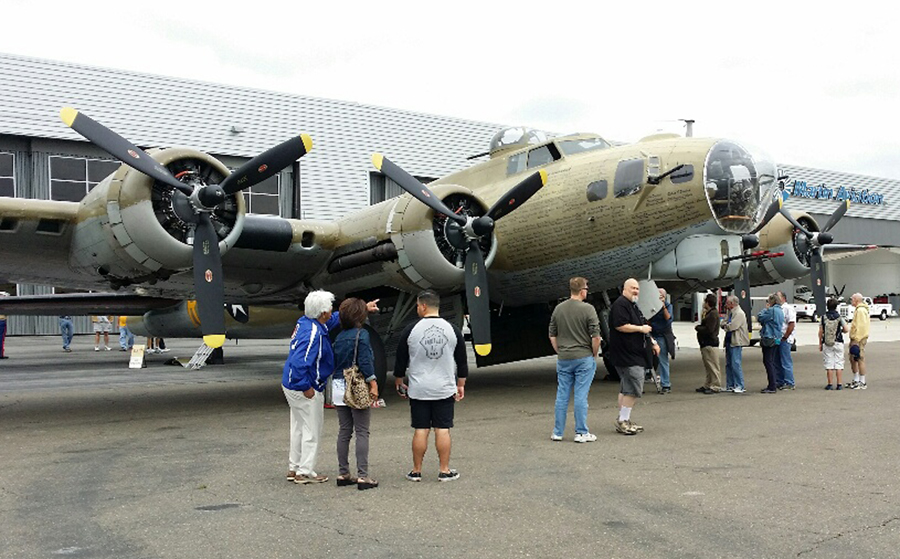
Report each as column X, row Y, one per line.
column 571, row 147
column 543, row 155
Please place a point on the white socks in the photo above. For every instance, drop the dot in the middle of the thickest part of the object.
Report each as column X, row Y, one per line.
column 862, row 379
column 855, row 377
column 624, row 413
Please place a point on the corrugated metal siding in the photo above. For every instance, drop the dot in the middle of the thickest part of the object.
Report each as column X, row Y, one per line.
column 890, row 188
column 161, row 111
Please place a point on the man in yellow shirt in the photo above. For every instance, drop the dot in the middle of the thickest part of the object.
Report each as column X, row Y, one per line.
column 126, row 338
column 859, row 335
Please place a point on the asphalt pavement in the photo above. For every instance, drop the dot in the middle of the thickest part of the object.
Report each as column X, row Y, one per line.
column 98, row 460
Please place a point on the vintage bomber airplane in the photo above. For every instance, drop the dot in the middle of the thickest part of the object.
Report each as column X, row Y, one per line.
column 171, row 224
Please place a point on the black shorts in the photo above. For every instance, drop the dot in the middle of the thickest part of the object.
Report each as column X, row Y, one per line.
column 432, row 414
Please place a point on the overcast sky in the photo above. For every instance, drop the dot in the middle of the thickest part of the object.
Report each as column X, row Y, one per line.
column 812, row 85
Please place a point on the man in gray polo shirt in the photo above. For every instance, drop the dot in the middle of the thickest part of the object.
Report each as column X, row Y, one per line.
column 575, row 336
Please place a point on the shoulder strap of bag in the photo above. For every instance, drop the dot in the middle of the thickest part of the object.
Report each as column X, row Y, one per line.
column 356, row 347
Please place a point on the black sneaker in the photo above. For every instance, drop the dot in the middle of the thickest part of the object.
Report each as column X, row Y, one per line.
column 829, row 387
column 768, row 391
column 414, row 476
column 452, row 475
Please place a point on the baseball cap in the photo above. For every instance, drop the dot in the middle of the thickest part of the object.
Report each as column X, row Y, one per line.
column 854, row 352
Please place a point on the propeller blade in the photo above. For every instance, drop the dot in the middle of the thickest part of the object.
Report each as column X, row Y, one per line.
column 410, row 184
column 477, row 299
column 208, row 284
column 773, row 209
column 518, row 195
column 267, row 164
column 817, row 275
column 120, row 148
column 742, row 290
column 836, row 216
column 787, row 215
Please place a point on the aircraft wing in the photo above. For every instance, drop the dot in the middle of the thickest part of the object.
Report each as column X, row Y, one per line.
column 834, row 252
column 77, row 304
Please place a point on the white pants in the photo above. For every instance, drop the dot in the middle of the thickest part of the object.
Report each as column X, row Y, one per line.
column 307, row 415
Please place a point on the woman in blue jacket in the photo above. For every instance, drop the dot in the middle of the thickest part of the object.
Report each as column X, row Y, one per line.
column 353, row 341
column 770, row 319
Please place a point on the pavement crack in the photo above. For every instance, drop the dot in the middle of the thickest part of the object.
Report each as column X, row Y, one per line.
column 820, row 543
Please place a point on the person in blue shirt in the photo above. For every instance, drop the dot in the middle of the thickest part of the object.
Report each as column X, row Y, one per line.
column 770, row 319
column 661, row 325
column 309, row 363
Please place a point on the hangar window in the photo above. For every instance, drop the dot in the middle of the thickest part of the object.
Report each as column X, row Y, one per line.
column 7, row 175
column 71, row 178
column 382, row 188
column 263, row 198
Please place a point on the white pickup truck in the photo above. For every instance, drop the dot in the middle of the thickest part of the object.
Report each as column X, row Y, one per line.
column 806, row 310
column 881, row 310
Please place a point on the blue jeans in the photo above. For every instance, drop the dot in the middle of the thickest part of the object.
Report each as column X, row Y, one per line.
column 67, row 330
column 580, row 373
column 126, row 338
column 663, row 370
column 734, row 371
column 784, row 365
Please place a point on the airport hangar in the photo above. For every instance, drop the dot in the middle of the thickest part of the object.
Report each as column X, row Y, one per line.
column 42, row 158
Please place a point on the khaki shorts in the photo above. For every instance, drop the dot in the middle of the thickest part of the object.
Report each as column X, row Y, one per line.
column 862, row 349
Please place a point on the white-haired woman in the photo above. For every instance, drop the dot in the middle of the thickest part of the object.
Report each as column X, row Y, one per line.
column 309, row 364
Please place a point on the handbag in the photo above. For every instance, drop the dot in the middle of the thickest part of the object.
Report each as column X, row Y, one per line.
column 356, row 391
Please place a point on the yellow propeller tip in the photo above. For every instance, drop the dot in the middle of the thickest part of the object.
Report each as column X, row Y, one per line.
column 214, row 340
column 68, row 114
column 307, row 142
column 482, row 349
column 543, row 173
column 377, row 160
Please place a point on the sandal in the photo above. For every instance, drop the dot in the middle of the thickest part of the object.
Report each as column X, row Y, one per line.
column 366, row 483
column 346, row 479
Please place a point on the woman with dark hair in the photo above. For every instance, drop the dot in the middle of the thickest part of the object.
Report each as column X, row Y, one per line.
column 708, row 338
column 353, row 341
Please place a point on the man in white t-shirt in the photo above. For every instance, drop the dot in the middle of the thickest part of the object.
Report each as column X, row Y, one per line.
column 784, row 376
column 431, row 370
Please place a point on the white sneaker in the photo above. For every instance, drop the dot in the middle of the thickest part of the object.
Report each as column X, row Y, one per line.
column 585, row 438
column 108, row 348
column 96, row 348
column 738, row 390
column 555, row 437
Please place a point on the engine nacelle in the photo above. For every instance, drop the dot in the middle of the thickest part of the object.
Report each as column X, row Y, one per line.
column 426, row 253
column 780, row 236
column 132, row 229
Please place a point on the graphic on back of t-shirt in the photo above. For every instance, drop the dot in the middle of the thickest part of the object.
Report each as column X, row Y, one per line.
column 434, row 340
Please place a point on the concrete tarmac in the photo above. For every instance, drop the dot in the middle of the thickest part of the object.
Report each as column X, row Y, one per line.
column 97, row 460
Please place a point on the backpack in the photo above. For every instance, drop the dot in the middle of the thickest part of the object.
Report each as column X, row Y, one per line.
column 830, row 328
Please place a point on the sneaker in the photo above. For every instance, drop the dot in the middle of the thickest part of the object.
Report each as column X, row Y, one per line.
column 701, row 389
column 829, row 387
column 167, row 350
column 727, row 390
column 710, row 391
column 414, row 476
column 67, row 349
column 839, row 387
column 107, row 348
column 290, row 476
column 556, row 438
column 860, row 386
column 635, row 426
column 585, row 438
column 123, row 349
column 738, row 390
column 666, row 389
column 786, row 387
column 452, row 475
column 851, row 385
column 304, row 479
column 767, row 391
column 96, row 348
column 625, row 428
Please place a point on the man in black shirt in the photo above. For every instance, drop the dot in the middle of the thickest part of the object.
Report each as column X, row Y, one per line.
column 629, row 334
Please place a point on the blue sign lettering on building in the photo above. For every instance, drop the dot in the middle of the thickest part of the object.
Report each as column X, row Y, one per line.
column 839, row 194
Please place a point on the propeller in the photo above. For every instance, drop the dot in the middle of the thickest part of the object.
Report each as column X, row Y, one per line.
column 465, row 234
column 204, row 198
column 814, row 243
